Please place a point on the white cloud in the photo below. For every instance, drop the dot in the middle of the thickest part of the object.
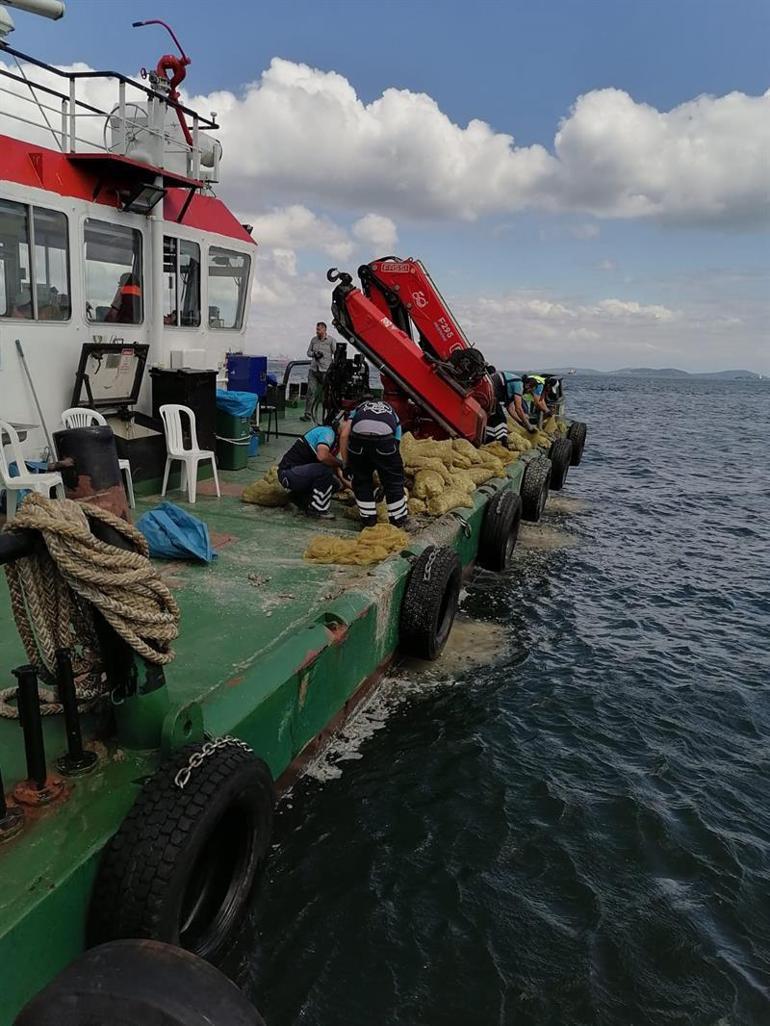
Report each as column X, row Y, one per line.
column 304, row 134
column 520, row 329
column 704, row 161
column 705, row 328
column 378, row 232
column 296, row 227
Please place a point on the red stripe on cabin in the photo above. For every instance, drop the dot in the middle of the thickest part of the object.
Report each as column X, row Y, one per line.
column 40, row 168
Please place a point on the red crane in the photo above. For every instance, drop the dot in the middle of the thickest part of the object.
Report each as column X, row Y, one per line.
column 405, row 291
column 430, row 387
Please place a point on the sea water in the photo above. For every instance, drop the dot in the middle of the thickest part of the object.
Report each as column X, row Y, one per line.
column 567, row 820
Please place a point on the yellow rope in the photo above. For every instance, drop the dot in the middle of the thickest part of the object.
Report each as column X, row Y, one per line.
column 53, row 592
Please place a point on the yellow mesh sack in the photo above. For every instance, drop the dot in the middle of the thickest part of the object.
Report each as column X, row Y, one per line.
column 452, row 498
column 428, row 483
column 465, row 448
column 266, row 491
column 481, row 474
column 500, row 453
column 372, row 545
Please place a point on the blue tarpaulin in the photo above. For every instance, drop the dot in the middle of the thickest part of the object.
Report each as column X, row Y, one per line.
column 172, row 533
column 237, row 404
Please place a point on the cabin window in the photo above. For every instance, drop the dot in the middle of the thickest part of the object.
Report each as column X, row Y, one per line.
column 38, row 289
column 113, row 259
column 181, row 283
column 228, row 278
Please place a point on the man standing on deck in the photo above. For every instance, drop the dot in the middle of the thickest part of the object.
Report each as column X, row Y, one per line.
column 312, row 473
column 509, row 392
column 370, row 437
column 321, row 353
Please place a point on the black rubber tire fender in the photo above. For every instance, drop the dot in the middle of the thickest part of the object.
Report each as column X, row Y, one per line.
column 430, row 602
column 499, row 531
column 127, row 982
column 534, row 488
column 576, row 433
column 560, row 455
column 184, row 861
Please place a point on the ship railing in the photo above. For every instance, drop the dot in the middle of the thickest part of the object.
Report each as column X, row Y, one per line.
column 141, row 124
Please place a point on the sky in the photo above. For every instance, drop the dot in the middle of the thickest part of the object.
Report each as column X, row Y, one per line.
column 586, row 181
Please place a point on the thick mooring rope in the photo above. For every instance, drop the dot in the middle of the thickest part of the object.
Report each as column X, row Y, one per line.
column 53, row 590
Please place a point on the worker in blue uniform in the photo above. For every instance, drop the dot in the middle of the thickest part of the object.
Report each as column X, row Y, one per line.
column 370, row 437
column 509, row 393
column 312, row 472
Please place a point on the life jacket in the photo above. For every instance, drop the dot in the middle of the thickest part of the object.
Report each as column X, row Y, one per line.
column 129, row 309
column 532, row 394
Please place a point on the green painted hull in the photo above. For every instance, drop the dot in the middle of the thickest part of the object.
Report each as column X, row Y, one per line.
column 273, row 649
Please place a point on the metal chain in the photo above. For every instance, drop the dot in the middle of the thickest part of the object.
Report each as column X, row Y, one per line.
column 429, row 564
column 182, row 777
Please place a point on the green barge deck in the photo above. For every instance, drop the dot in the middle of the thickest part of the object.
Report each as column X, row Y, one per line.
column 272, row 649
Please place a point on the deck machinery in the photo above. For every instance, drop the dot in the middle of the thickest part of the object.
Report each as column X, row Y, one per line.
column 437, row 382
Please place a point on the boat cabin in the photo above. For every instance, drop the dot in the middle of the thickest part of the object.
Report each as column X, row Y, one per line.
column 110, row 231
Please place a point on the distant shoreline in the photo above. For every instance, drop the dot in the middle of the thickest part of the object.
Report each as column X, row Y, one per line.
column 658, row 372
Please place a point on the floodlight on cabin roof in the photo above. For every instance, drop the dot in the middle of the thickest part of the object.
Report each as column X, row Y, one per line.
column 142, row 198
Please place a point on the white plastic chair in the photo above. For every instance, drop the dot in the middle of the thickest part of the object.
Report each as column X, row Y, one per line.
column 40, row 483
column 79, row 416
column 171, row 415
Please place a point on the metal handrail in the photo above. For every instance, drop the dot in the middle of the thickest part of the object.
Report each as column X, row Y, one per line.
column 154, row 130
column 290, row 367
column 207, row 123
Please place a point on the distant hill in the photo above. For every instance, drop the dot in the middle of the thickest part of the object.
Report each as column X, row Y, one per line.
column 674, row 372
column 658, row 372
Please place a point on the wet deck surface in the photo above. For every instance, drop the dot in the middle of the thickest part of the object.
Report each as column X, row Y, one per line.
column 257, row 590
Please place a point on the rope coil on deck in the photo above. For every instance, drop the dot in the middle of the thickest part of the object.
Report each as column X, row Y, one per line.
column 53, row 590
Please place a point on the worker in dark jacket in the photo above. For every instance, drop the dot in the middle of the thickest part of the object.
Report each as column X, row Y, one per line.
column 369, row 440
column 509, row 392
column 311, row 471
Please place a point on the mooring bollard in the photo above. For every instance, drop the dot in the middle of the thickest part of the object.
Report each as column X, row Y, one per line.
column 78, row 759
column 31, row 722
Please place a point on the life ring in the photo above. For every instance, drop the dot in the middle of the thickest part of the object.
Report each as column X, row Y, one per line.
column 499, row 531
column 560, row 455
column 183, row 862
column 127, row 982
column 576, row 432
column 534, row 488
column 430, row 602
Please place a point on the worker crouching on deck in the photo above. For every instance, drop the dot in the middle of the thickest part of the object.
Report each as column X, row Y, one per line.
column 312, row 473
column 370, row 438
column 509, row 392
column 534, row 397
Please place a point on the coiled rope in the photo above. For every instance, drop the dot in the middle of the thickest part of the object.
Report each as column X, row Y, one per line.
column 54, row 590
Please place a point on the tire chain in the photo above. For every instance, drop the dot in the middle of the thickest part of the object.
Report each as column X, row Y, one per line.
column 429, row 564
column 182, row 777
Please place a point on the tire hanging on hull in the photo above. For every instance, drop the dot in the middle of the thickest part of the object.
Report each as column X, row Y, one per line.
column 183, row 862
column 534, row 488
column 430, row 602
column 499, row 531
column 560, row 455
column 139, row 981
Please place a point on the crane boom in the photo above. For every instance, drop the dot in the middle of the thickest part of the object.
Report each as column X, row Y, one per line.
column 427, row 399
